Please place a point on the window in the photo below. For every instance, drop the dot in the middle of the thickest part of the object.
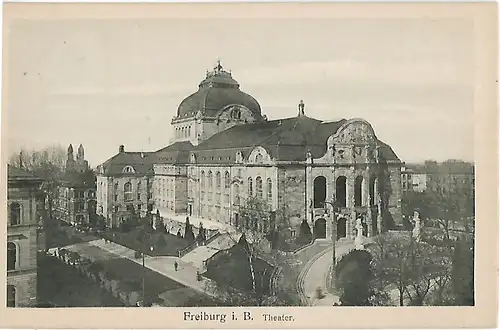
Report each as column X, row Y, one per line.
column 269, row 189
column 127, row 191
column 15, row 214
column 11, row 256
column 250, row 187
column 202, row 180
column 210, row 178
column 258, row 186
column 218, row 179
column 116, row 209
column 227, row 180
column 11, row 296
column 116, row 198
column 138, row 190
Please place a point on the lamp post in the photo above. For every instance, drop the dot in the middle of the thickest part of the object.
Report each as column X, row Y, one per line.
column 334, row 210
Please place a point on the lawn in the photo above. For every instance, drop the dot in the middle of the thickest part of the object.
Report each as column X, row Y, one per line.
column 60, row 285
column 164, row 244
column 127, row 271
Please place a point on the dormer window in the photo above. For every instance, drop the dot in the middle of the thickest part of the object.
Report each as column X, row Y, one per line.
column 128, row 169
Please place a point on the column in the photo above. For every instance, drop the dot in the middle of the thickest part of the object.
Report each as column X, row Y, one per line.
column 351, row 224
column 369, row 221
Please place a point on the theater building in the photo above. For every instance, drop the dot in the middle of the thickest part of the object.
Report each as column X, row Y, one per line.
column 23, row 192
column 225, row 149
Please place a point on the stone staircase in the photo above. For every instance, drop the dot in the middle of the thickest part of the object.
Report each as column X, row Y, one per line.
column 204, row 252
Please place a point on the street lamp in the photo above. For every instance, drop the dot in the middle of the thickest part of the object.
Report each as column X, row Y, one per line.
column 335, row 209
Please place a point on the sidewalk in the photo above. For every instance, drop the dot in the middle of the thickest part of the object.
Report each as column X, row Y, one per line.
column 318, row 272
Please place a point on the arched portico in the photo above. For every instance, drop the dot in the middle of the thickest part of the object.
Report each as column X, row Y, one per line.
column 320, row 228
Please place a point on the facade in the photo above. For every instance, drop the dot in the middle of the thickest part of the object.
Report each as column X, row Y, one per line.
column 224, row 149
column 406, row 179
column 419, row 182
column 76, row 202
column 22, row 196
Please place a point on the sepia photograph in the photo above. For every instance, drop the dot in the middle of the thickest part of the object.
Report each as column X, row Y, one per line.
column 218, row 161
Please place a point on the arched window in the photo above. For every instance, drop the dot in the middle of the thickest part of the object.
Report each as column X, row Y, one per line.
column 269, row 189
column 11, row 296
column 11, row 256
column 218, row 179
column 210, row 185
column 139, row 190
column 319, row 191
column 15, row 214
column 258, row 186
column 127, row 191
column 341, row 191
column 358, row 191
column 227, row 180
column 250, row 187
column 210, row 180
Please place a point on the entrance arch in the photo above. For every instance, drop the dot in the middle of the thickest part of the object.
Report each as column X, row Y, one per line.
column 341, row 190
column 319, row 191
column 341, row 228
column 320, row 228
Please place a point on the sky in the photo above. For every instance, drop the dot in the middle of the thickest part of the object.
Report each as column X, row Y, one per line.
column 104, row 83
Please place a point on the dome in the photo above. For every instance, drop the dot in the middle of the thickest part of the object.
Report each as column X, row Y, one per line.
column 215, row 92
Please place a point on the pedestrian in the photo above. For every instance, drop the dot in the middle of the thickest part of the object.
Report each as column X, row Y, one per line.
column 176, row 265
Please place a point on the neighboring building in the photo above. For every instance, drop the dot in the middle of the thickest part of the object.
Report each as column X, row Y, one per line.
column 406, row 179
column 419, row 182
column 225, row 149
column 22, row 196
column 76, row 203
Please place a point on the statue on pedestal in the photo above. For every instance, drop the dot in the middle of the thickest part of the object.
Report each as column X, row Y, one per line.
column 417, row 226
column 358, row 241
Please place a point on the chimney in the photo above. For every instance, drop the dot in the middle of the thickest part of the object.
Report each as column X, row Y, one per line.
column 121, row 149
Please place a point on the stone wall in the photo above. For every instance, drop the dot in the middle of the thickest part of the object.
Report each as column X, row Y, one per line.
column 291, row 192
column 25, row 285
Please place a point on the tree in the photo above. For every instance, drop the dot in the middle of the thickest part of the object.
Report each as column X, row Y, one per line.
column 462, row 274
column 47, row 164
column 201, row 234
column 305, row 234
column 255, row 226
column 188, row 231
column 409, row 265
column 354, row 278
column 159, row 222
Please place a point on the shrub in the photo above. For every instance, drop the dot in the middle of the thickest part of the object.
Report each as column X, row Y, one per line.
column 137, row 254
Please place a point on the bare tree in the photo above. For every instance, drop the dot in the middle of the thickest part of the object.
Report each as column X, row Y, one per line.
column 47, row 164
column 411, row 265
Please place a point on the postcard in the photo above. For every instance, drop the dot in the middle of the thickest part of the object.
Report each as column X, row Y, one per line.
column 250, row 165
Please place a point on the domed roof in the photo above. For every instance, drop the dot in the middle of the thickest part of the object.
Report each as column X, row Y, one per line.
column 215, row 92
